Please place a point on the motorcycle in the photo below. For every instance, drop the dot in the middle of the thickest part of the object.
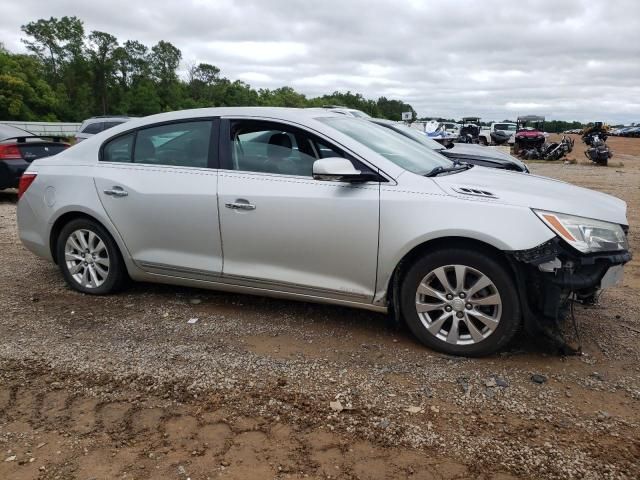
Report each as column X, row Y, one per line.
column 549, row 151
column 598, row 151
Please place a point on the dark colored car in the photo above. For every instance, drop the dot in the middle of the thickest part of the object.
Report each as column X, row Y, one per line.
column 461, row 152
column 18, row 148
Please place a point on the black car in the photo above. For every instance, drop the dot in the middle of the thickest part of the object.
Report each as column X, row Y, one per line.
column 461, row 152
column 18, row 148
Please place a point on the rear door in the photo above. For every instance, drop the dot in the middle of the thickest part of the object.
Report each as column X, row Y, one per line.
column 158, row 186
column 286, row 231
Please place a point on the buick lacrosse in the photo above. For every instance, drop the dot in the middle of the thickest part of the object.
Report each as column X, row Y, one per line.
column 317, row 206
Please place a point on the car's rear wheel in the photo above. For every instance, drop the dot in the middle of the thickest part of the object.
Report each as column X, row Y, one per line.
column 89, row 258
column 460, row 302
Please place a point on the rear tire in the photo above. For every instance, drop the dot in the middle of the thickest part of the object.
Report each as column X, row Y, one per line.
column 476, row 313
column 89, row 258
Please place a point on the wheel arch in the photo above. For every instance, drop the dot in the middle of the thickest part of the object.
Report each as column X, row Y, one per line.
column 67, row 217
column 395, row 279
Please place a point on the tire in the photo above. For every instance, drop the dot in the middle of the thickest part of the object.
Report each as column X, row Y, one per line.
column 488, row 326
column 483, row 141
column 84, row 245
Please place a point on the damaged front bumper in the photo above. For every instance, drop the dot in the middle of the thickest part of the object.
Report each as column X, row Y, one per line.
column 553, row 273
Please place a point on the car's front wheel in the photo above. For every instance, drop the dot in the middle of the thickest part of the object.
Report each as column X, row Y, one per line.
column 460, row 302
column 89, row 258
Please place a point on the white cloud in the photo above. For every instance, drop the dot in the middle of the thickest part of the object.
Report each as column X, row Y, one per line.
column 575, row 59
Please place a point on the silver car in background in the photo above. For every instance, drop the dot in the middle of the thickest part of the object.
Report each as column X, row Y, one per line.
column 318, row 206
column 94, row 125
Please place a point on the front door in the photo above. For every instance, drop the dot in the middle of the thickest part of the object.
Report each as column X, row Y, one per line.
column 283, row 230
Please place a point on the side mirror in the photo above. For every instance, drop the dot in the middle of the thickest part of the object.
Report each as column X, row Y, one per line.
column 339, row 169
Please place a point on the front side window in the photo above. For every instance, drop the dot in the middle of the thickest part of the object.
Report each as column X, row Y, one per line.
column 270, row 147
column 394, row 146
column 184, row 144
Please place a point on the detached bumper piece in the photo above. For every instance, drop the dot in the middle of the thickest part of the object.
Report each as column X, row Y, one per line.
column 550, row 276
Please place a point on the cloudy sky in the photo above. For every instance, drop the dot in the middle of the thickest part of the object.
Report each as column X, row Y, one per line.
column 567, row 59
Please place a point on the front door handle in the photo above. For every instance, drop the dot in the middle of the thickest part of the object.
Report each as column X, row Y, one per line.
column 116, row 192
column 240, row 206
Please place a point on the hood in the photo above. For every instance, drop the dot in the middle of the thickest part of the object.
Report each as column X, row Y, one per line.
column 534, row 191
column 470, row 151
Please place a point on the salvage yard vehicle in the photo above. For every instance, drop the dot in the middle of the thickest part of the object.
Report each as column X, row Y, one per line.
column 595, row 138
column 469, row 130
column 330, row 209
column 499, row 133
column 18, row 148
column 458, row 152
column 529, row 133
column 549, row 150
column 437, row 131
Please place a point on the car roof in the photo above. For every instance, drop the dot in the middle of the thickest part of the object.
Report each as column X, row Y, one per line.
column 281, row 113
column 114, row 118
column 305, row 117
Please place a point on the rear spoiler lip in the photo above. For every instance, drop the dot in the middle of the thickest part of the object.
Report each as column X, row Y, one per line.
column 23, row 138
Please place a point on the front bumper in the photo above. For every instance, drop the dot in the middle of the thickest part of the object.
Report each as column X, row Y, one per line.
column 552, row 272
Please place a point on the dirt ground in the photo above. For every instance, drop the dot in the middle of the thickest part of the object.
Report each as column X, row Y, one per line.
column 123, row 387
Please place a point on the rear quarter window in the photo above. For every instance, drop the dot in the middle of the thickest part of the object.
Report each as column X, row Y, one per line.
column 119, row 149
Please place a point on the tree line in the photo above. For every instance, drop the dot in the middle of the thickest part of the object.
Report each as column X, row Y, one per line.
column 69, row 75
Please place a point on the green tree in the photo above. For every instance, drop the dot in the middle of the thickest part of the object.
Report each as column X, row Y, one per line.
column 24, row 94
column 101, row 58
column 164, row 61
column 55, row 41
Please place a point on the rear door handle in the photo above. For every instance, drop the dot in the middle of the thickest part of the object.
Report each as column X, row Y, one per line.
column 116, row 192
column 240, row 206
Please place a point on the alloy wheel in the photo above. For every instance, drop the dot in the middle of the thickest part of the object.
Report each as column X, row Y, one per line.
column 458, row 304
column 86, row 258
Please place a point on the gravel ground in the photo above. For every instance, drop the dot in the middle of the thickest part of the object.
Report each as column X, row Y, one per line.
column 125, row 387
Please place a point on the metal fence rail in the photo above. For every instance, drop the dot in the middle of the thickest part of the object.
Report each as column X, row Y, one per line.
column 62, row 129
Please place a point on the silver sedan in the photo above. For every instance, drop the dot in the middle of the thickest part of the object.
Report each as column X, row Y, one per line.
column 317, row 206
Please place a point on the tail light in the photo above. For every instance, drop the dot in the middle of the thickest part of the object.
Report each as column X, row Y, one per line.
column 10, row 152
column 25, row 182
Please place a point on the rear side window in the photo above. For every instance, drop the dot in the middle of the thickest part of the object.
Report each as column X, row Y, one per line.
column 119, row 149
column 183, row 144
column 93, row 128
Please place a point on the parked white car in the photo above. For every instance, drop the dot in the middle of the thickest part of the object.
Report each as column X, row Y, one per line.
column 318, row 206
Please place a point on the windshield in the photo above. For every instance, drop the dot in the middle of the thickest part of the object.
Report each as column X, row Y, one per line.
column 359, row 114
column 394, row 146
column 414, row 134
column 506, row 126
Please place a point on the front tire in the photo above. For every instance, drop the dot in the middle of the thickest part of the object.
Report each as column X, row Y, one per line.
column 89, row 258
column 460, row 302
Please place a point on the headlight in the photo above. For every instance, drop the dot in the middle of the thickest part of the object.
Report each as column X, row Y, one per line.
column 585, row 234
